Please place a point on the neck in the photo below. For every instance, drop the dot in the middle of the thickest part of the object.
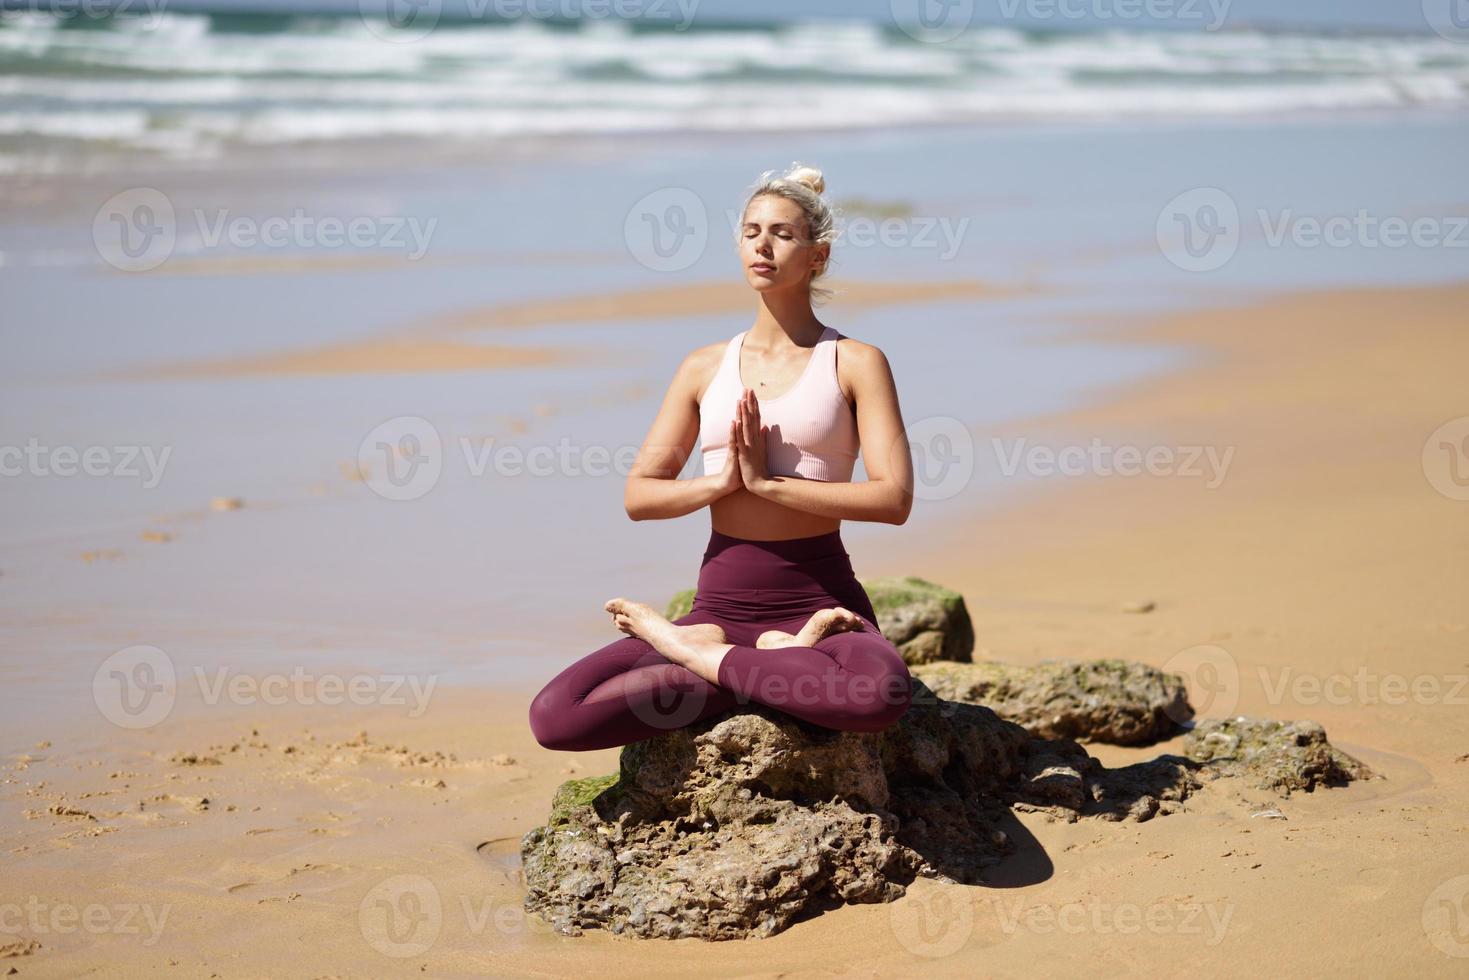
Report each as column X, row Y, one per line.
column 784, row 318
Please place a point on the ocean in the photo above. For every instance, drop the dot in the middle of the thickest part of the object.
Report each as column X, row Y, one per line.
column 163, row 84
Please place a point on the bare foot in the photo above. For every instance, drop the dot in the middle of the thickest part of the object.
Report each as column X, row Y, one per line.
column 822, row 623
column 696, row 647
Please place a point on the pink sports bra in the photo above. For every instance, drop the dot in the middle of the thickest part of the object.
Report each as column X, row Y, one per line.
column 812, row 432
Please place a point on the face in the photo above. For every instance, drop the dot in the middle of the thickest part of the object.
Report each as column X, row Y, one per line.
column 775, row 248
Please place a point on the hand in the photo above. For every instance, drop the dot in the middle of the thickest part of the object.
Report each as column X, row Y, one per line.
column 750, row 437
column 729, row 477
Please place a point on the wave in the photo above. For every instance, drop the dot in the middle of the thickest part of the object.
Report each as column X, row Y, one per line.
column 185, row 84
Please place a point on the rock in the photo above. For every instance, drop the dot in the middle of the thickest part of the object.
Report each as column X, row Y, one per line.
column 926, row 622
column 1139, row 606
column 1280, row 756
column 680, row 605
column 1112, row 701
column 748, row 821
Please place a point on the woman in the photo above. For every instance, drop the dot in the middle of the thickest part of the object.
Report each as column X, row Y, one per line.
column 778, row 616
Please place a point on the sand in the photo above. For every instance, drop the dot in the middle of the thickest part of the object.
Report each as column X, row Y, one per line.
column 273, row 840
column 434, row 344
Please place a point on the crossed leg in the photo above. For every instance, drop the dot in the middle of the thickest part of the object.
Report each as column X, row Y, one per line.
column 849, row 677
column 701, row 649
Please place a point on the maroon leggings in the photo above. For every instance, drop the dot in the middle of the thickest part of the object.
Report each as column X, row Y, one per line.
column 627, row 691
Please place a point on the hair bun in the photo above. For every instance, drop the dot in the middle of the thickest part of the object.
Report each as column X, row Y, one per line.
column 809, row 176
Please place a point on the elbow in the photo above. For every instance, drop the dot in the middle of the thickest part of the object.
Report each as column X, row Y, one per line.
column 899, row 514
column 631, row 505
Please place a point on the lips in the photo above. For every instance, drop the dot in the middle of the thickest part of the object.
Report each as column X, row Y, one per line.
column 762, row 267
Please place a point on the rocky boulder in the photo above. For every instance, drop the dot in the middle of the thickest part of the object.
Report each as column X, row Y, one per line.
column 1280, row 756
column 1112, row 701
column 749, row 821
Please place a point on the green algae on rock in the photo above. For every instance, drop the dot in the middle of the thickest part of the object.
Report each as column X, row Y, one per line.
column 1280, row 756
column 1114, row 701
column 741, row 824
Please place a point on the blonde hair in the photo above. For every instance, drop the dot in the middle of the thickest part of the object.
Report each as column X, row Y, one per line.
column 804, row 185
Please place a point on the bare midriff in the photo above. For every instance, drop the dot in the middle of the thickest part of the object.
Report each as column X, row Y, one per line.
column 742, row 514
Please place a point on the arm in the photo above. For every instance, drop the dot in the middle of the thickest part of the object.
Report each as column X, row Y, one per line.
column 654, row 491
column 887, row 494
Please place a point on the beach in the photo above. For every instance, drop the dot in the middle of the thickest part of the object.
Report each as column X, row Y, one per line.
column 254, row 834
column 325, row 356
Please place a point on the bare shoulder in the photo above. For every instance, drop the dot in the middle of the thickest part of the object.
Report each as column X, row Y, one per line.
column 699, row 367
column 860, row 366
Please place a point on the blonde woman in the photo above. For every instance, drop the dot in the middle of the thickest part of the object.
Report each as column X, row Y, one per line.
column 780, row 412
